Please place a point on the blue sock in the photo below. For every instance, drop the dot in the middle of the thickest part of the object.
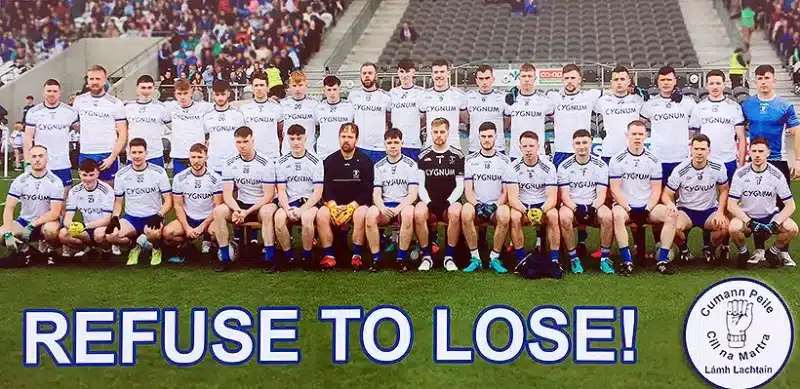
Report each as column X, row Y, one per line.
column 307, row 254
column 357, row 249
column 427, row 251
column 327, row 251
column 269, row 252
column 288, row 254
column 225, row 253
column 605, row 252
column 582, row 236
column 554, row 255
column 448, row 251
column 625, row 252
column 401, row 255
column 520, row 253
column 252, row 234
column 573, row 255
column 663, row 255
column 376, row 257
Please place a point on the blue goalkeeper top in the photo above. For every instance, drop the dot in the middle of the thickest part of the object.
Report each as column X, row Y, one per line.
column 770, row 119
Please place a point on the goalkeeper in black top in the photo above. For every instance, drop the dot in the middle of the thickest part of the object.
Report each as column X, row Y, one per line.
column 440, row 187
column 347, row 194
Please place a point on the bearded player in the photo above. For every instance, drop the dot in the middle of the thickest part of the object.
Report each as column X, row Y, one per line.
column 372, row 109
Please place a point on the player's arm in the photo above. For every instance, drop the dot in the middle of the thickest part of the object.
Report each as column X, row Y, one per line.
column 566, row 200
column 550, row 190
column 668, row 195
column 455, row 195
column 166, row 194
column 316, row 196
column 56, row 204
column 734, row 195
column 655, row 193
column 30, row 131
column 269, row 193
column 122, row 138
column 741, row 145
column 227, row 195
column 423, row 192
column 377, row 198
column 724, row 190
column 180, row 210
column 616, row 193
column 279, row 127
column 283, row 197
column 68, row 216
column 513, row 198
column 785, row 196
column 602, row 192
column 389, row 119
column 469, row 191
column 8, row 210
column 413, row 189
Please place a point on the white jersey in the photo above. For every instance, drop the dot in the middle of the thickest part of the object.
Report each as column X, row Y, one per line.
column 697, row 188
column 98, row 117
column 446, row 104
column 52, row 130
column 92, row 204
column 220, row 126
column 488, row 175
column 488, row 107
column 142, row 189
column 187, row 126
column 299, row 175
column 197, row 192
column 636, row 173
column 249, row 177
column 405, row 114
column 534, row 179
column 263, row 119
column 572, row 113
column 329, row 118
column 757, row 192
column 669, row 127
column 583, row 180
column 617, row 113
column 146, row 121
column 718, row 121
column 394, row 178
column 528, row 113
column 299, row 112
column 370, row 109
column 36, row 193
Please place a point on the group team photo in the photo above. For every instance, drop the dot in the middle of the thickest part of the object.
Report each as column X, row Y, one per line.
column 375, row 175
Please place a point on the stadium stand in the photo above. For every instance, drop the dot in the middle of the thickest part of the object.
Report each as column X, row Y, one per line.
column 603, row 31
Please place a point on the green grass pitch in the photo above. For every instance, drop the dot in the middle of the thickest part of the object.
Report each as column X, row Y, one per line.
column 662, row 302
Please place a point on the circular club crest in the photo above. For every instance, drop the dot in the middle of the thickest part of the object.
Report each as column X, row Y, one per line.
column 738, row 334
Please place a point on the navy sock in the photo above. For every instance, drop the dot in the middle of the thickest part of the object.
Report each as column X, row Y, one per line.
column 225, row 253
column 625, row 252
column 288, row 254
column 376, row 257
column 269, row 252
column 252, row 235
column 554, row 255
column 520, row 254
column 663, row 255
column 357, row 249
column 401, row 254
column 605, row 252
column 448, row 251
column 582, row 236
column 427, row 251
column 573, row 255
column 307, row 254
column 327, row 251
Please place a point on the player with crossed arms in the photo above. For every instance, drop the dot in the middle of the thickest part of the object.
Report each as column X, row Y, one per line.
column 195, row 193
column 583, row 186
column 94, row 199
column 755, row 188
column 696, row 181
column 487, row 176
column 299, row 176
column 395, row 191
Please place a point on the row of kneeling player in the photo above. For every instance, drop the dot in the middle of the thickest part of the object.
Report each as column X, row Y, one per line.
column 327, row 197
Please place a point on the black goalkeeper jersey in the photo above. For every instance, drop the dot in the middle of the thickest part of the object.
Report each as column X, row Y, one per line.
column 441, row 170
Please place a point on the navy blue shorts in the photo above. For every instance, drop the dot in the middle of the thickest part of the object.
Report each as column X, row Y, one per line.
column 374, row 155
column 698, row 218
column 155, row 161
column 666, row 170
column 411, row 152
column 531, row 206
column 253, row 217
column 193, row 222
column 299, row 203
column 65, row 175
column 36, row 235
column 559, row 157
column 765, row 219
column 105, row 175
column 138, row 223
column 179, row 165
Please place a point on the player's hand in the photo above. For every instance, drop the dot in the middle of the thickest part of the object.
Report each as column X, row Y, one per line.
column 796, row 169
column 293, row 214
column 388, row 212
column 720, row 220
column 27, row 232
column 107, row 163
column 672, row 210
column 237, row 217
column 194, row 233
column 113, row 224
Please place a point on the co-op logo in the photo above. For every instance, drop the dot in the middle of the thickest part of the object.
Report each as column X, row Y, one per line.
column 738, row 334
column 556, row 73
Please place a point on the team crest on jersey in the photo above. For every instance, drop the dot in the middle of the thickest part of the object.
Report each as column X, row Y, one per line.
column 369, row 97
column 764, row 107
column 260, row 108
column 405, row 94
column 142, row 109
column 699, row 176
column 394, row 170
column 583, row 171
column 487, row 165
column 197, row 184
column 222, row 117
column 90, row 199
column 441, row 98
column 669, row 105
column 483, row 99
column 620, row 101
column 140, row 178
column 527, row 102
column 333, row 108
column 298, row 167
column 452, row 159
column 356, row 174
column 715, row 109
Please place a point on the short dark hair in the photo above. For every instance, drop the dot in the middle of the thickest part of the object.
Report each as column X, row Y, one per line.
column 764, row 69
column 88, row 165
column 349, row 126
column 198, row 148
column 393, row 133
column 29, row 97
column 759, row 140
column 486, row 126
column 715, row 73
column 296, row 129
column 221, row 86
column 636, row 122
column 144, row 79
column 331, row 81
column 621, row 69
column 529, row 134
column 571, row 68
column 50, row 82
column 527, row 67
column 406, row 64
column 243, row 132
column 440, row 62
column 260, row 76
column 137, row 142
column 484, row 68
column 666, row 70
column 366, row 64
column 701, row 138
column 581, row 133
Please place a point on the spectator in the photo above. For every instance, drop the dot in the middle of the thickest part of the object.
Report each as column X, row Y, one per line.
column 748, row 25
column 28, row 106
column 407, row 33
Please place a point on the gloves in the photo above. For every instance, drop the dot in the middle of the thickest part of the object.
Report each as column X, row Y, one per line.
column 438, row 208
column 585, row 214
column 511, row 96
column 639, row 216
column 534, row 216
column 677, row 95
column 154, row 222
column 27, row 232
column 342, row 214
column 640, row 92
column 75, row 229
column 760, row 230
column 485, row 211
column 112, row 225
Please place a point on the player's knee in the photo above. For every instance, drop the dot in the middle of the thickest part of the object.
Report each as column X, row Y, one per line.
column 280, row 218
column 516, row 218
column 372, row 220
column 503, row 215
column 307, row 218
column 551, row 217
column 153, row 234
column 221, row 212
column 790, row 226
